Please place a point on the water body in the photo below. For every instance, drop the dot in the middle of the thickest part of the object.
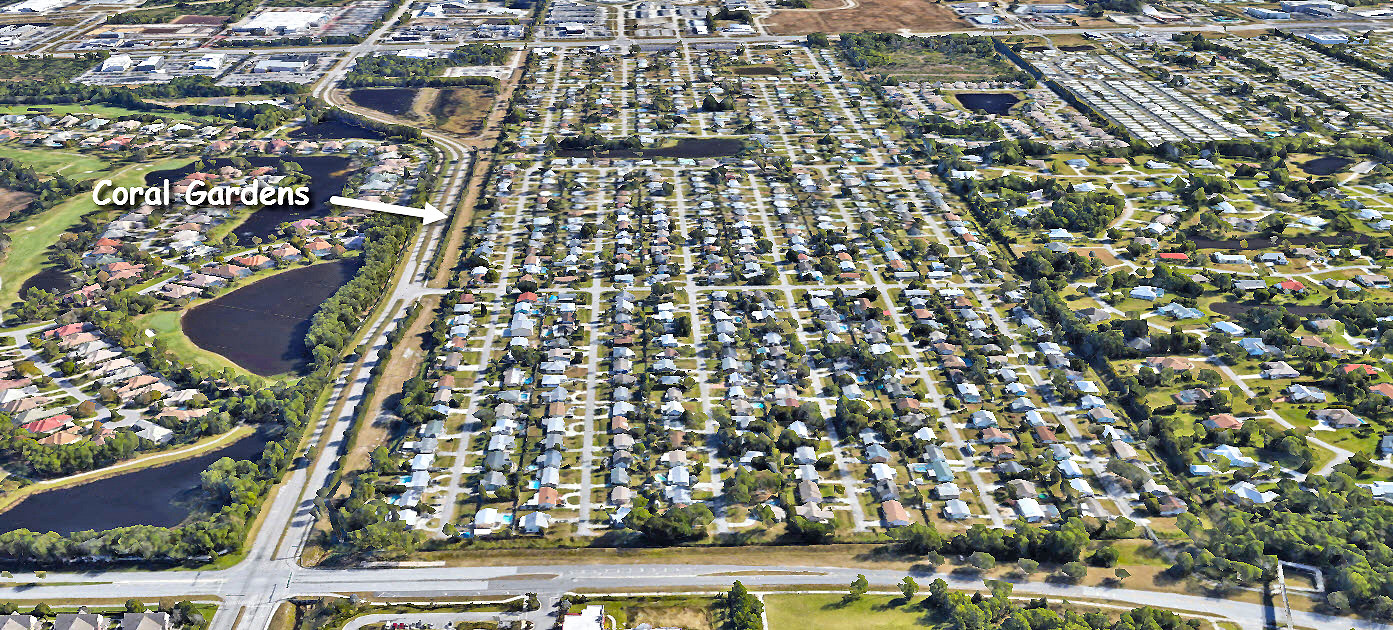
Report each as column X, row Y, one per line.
column 695, row 148
column 394, row 101
column 51, row 280
column 335, row 130
column 999, row 103
column 262, row 326
column 153, row 496
column 1327, row 165
column 327, row 173
column 756, row 71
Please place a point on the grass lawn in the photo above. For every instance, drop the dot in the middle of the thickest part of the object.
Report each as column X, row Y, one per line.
column 170, row 331
column 31, row 239
column 105, row 111
column 825, row 612
column 56, row 162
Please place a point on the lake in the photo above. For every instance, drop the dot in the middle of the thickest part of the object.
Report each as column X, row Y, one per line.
column 327, row 174
column 695, row 148
column 153, row 496
column 262, row 325
column 394, row 101
column 999, row 103
column 1327, row 165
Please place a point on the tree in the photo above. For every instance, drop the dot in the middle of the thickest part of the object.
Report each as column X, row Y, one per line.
column 909, row 587
column 982, row 561
column 134, row 606
column 1074, row 571
column 1028, row 566
column 919, row 539
column 1122, row 574
column 42, row 610
column 858, row 587
column 745, row 611
column 1104, row 557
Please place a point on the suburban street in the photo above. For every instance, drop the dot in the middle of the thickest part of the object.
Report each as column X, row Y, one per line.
column 271, row 573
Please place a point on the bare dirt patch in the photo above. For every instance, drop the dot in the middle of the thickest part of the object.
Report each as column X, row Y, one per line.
column 200, row 19
column 12, row 201
column 868, row 15
column 459, row 110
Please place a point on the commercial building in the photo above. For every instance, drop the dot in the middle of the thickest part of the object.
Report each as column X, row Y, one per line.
column 282, row 22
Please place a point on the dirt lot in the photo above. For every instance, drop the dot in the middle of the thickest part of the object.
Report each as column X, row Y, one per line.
column 868, row 15
column 12, row 200
column 459, row 110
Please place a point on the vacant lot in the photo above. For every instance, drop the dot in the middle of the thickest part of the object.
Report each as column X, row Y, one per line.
column 892, row 16
column 459, row 110
column 825, row 612
column 690, row 613
column 12, row 200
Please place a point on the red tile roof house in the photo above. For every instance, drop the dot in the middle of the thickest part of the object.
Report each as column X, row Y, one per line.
column 229, row 272
column 318, row 247
column 1223, row 421
column 179, row 291
column 993, row 435
column 67, row 330
column 1351, row 367
column 124, row 274
column 1291, row 286
column 48, row 425
column 1174, row 256
column 255, row 261
column 122, row 266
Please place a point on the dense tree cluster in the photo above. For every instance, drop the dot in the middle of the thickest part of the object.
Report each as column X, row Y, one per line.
column 46, row 191
column 1331, row 523
column 339, row 317
column 870, row 50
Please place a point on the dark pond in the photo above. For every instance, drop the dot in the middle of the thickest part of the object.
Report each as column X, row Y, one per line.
column 1327, row 165
column 394, row 101
column 1079, row 48
column 1235, row 309
column 335, row 130
column 756, row 71
column 999, row 103
column 327, row 176
column 687, row 148
column 51, row 280
column 160, row 496
column 262, row 326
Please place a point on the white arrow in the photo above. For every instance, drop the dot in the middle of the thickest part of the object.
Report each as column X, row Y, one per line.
column 428, row 215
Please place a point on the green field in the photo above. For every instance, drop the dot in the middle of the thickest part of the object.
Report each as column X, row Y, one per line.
column 825, row 612
column 106, row 111
column 170, row 331
column 55, row 162
column 31, row 239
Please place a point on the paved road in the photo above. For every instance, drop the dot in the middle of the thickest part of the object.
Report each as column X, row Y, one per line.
column 270, row 573
column 277, row 579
